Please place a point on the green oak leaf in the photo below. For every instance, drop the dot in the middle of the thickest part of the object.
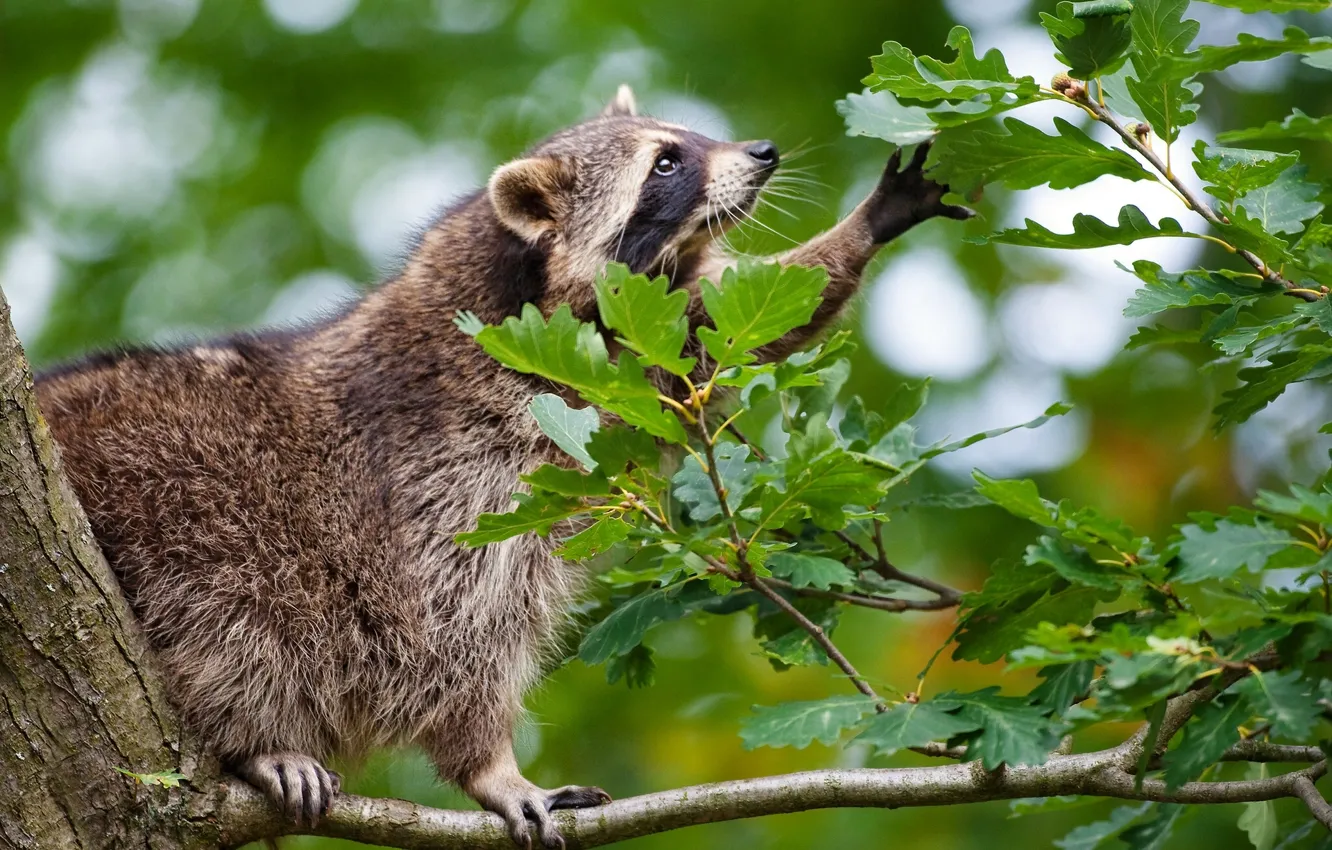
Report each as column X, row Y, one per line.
column 1261, row 384
column 1011, row 731
column 1284, row 700
column 900, row 72
column 1276, row 7
column 1025, row 157
column 1064, row 684
column 1075, row 566
column 1167, row 290
column 534, row 513
column 989, row 632
column 567, row 482
column 694, row 488
column 1250, row 48
column 624, row 628
column 1296, row 125
column 1096, row 834
column 798, row 724
column 909, row 724
column 757, row 303
column 1225, row 548
column 1019, row 497
column 882, row 116
column 1234, row 172
column 1088, row 232
column 1259, row 819
column 647, row 316
column 637, row 667
column 1208, row 735
column 573, row 353
column 593, row 540
column 570, row 428
column 1302, row 503
column 810, row 570
column 1165, row 100
column 613, row 449
column 1283, row 205
column 1089, row 44
column 1155, row 833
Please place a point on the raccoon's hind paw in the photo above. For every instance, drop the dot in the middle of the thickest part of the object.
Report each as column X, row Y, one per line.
column 298, row 784
column 520, row 802
column 906, row 197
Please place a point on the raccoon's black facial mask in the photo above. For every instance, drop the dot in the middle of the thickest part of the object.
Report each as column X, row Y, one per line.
column 696, row 185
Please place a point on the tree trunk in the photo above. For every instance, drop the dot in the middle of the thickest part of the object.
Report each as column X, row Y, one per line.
column 80, row 696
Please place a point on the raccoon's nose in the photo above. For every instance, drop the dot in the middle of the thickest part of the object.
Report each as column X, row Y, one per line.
column 764, row 153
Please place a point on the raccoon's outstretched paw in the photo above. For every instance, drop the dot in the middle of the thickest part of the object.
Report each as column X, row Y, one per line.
column 907, row 196
column 298, row 784
column 576, row 797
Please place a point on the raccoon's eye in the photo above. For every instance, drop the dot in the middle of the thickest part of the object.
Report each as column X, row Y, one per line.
column 666, row 166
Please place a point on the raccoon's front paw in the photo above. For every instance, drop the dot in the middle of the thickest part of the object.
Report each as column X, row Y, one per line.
column 299, row 785
column 906, row 197
column 519, row 801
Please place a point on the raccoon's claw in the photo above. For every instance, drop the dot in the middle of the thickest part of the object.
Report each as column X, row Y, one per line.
column 906, row 197
column 576, row 797
column 298, row 784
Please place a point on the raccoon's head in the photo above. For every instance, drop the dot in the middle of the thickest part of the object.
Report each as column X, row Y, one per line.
column 627, row 189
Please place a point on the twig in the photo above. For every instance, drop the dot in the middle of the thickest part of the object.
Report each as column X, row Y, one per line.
column 880, row 603
column 1305, row 789
column 885, row 568
column 1198, row 205
column 820, row 637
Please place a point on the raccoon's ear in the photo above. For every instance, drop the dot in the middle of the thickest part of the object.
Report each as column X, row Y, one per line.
column 623, row 103
column 530, row 195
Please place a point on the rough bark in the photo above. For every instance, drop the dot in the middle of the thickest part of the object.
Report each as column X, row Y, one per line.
column 78, row 695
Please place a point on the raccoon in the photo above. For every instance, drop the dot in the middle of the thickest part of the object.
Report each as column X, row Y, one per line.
column 279, row 507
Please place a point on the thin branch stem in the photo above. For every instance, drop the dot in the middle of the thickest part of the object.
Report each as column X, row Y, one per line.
column 1304, row 788
column 881, row 603
column 820, row 637
column 1195, row 203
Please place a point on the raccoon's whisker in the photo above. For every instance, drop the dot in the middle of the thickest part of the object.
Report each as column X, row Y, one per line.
column 765, row 200
column 750, row 217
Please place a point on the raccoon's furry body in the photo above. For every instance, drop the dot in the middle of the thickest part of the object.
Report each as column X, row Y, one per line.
column 280, row 507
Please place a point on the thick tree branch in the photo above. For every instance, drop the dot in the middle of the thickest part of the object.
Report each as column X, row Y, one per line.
column 245, row 815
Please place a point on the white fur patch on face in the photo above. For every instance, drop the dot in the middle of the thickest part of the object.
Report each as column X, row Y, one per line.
column 620, row 203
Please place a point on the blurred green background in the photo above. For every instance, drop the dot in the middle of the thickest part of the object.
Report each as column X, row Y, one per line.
column 175, row 168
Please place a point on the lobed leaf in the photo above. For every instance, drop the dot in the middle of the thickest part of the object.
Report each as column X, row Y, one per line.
column 757, row 304
column 694, row 488
column 1088, row 232
column 1092, row 39
column 798, row 724
column 1167, row 290
column 573, row 353
column 1283, row 205
column 1250, row 48
column 1025, row 157
column 1011, row 732
column 1225, row 548
column 647, row 315
column 804, row 570
column 569, row 428
column 533, row 513
column 899, row 71
column 1207, row 736
column 916, row 724
column 1234, row 172
column 1296, row 125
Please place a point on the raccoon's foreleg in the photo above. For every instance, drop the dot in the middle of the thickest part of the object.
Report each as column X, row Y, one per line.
column 903, row 199
column 501, row 788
